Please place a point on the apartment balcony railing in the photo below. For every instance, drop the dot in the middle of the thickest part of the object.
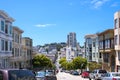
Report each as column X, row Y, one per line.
column 20, row 58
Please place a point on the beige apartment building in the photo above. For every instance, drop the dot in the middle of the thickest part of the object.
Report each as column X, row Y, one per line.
column 16, row 59
column 5, row 39
column 106, row 49
column 27, row 52
column 117, row 39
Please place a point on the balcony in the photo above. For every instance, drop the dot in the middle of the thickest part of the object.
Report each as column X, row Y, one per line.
column 14, row 59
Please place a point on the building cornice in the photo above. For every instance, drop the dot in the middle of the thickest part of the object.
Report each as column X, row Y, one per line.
column 106, row 31
column 18, row 29
column 6, row 16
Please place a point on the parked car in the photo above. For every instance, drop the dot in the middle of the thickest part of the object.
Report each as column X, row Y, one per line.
column 85, row 74
column 51, row 77
column 71, row 71
column 97, row 74
column 45, row 75
column 40, row 75
column 111, row 76
column 75, row 73
column 16, row 74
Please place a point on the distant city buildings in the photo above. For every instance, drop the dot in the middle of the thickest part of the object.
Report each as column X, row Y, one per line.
column 72, row 46
column 71, row 40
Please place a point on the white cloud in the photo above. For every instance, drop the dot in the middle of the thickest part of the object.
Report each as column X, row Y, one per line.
column 115, row 4
column 94, row 3
column 98, row 3
column 44, row 25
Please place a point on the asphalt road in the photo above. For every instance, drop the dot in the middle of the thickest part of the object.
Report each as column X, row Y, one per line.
column 67, row 76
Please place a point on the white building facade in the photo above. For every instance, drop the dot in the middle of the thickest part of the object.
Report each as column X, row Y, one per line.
column 117, row 39
column 5, row 39
column 70, row 53
column 91, row 48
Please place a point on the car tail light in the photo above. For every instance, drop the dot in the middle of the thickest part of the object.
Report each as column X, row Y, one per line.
column 114, row 79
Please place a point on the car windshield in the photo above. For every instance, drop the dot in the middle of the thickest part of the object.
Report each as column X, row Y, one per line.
column 87, row 71
column 40, row 74
column 21, row 75
column 102, row 71
column 43, row 74
column 116, row 74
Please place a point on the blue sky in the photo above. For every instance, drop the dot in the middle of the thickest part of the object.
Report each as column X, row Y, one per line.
column 47, row 21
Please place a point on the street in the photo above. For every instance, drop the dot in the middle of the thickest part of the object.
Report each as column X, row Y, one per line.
column 67, row 76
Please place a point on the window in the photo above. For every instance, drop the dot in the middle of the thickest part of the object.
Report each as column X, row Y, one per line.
column 13, row 51
column 115, row 39
column 105, row 57
column 90, row 49
column 116, row 23
column 112, row 43
column 100, row 55
column 107, row 43
column 10, row 29
column 1, row 76
column 20, row 39
column 101, row 45
column 6, row 45
column 16, row 38
column 6, row 29
column 10, row 46
column 93, row 44
column 93, row 54
column 119, row 55
column 2, row 45
column 2, row 26
column 20, row 52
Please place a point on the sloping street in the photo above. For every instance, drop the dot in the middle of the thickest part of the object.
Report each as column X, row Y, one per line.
column 67, row 76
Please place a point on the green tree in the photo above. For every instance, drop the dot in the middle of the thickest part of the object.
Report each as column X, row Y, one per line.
column 69, row 66
column 79, row 63
column 41, row 61
column 94, row 65
column 64, row 64
column 62, row 60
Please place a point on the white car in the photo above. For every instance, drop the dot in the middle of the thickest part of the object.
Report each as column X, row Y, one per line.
column 97, row 74
column 111, row 76
column 40, row 75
